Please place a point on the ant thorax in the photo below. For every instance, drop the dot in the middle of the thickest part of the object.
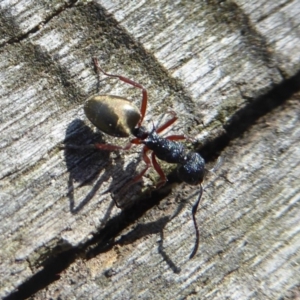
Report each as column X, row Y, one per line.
column 140, row 132
column 165, row 149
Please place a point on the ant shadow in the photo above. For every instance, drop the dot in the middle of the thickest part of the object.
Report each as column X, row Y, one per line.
column 85, row 163
column 143, row 230
column 139, row 232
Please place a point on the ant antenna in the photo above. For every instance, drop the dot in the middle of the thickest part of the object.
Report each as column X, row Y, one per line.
column 194, row 210
column 153, row 127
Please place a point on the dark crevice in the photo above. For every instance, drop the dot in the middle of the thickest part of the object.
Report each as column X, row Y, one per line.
column 246, row 117
column 50, row 273
column 102, row 242
column 104, row 239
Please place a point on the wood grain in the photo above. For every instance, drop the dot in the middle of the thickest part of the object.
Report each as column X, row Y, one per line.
column 217, row 64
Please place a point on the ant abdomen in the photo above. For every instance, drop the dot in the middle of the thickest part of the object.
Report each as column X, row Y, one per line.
column 113, row 115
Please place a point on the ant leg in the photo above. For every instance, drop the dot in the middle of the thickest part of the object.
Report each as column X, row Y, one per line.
column 163, row 178
column 194, row 210
column 131, row 82
column 148, row 165
column 136, row 141
column 96, row 146
column 76, row 147
column 108, row 147
column 142, row 173
column 137, row 177
column 176, row 137
column 167, row 123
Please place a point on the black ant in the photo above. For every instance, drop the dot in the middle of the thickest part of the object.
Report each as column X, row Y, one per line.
column 119, row 117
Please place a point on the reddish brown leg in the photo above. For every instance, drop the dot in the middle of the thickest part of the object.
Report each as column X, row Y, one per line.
column 110, row 147
column 107, row 147
column 163, row 178
column 136, row 141
column 142, row 173
column 97, row 146
column 176, row 137
column 131, row 82
column 77, row 147
column 167, row 123
column 148, row 165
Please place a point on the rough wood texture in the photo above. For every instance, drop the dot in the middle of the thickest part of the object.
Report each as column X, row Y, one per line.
column 249, row 245
column 221, row 64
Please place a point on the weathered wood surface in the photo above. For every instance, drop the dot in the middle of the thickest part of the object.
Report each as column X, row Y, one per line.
column 213, row 63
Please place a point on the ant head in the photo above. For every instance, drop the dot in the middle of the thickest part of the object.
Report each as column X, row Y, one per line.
column 140, row 132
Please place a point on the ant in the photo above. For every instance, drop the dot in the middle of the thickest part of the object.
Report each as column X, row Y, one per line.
column 119, row 117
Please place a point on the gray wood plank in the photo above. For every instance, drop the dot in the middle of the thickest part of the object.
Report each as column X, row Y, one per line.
column 225, row 53
column 204, row 61
column 249, row 243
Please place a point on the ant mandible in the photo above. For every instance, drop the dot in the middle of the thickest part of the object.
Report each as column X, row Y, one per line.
column 119, row 117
